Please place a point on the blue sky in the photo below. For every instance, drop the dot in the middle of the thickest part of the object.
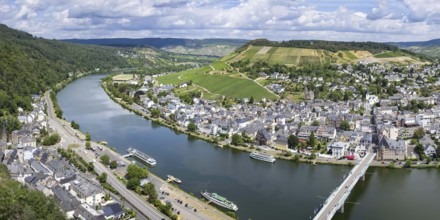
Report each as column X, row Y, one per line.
column 345, row 20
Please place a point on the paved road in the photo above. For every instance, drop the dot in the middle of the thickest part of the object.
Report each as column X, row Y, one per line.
column 67, row 135
column 185, row 212
column 327, row 211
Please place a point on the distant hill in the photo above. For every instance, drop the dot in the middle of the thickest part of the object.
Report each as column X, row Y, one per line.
column 303, row 52
column 210, row 47
column 29, row 65
column 430, row 48
column 434, row 42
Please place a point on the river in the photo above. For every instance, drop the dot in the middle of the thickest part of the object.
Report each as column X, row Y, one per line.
column 283, row 190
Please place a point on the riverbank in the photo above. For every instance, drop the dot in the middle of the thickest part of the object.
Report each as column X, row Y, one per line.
column 135, row 108
column 172, row 192
column 204, row 211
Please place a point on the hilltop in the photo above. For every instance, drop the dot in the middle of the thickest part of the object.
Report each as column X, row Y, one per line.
column 303, row 52
column 209, row 47
column 245, row 72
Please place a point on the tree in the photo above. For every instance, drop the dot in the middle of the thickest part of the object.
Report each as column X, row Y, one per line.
column 134, row 170
column 105, row 159
column 391, row 165
column 251, row 100
column 428, row 160
column 88, row 136
column 237, row 140
column 113, row 164
column 74, row 125
column 107, row 197
column 345, row 125
column 312, row 139
column 419, row 133
column 102, row 178
column 149, row 189
column 192, row 127
column 88, row 146
column 133, row 183
column 155, row 113
column 20, row 202
column 315, row 123
column 52, row 139
column 90, row 167
column 296, row 158
column 292, row 141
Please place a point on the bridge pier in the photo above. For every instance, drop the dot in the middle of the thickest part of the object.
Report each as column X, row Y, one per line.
column 336, row 201
column 341, row 210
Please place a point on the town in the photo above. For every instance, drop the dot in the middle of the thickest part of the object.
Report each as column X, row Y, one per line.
column 89, row 180
column 402, row 127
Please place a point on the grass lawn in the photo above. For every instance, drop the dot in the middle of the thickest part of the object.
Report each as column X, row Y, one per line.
column 263, row 82
column 123, row 77
column 296, row 97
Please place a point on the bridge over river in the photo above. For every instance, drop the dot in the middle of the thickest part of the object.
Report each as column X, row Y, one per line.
column 337, row 198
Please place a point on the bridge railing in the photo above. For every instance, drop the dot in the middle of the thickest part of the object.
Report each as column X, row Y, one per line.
column 335, row 192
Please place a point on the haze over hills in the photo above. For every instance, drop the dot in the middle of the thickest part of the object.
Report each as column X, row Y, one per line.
column 210, row 47
column 221, row 47
column 430, row 48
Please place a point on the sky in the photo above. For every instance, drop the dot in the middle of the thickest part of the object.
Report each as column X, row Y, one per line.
column 342, row 20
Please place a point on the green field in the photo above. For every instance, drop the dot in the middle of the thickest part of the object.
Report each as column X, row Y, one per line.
column 302, row 56
column 123, row 77
column 214, row 86
column 280, row 55
column 390, row 54
column 219, row 65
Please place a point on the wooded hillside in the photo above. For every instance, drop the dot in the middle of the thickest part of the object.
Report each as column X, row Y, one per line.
column 29, row 65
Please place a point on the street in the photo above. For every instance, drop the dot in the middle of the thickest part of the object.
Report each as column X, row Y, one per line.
column 67, row 135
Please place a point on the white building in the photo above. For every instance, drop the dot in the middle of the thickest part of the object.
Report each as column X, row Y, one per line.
column 372, row 99
column 424, row 120
column 339, row 149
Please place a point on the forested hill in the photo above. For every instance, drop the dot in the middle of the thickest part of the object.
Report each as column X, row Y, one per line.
column 332, row 46
column 19, row 202
column 29, row 65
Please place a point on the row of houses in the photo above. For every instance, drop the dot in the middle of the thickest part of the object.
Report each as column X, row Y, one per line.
column 271, row 125
column 46, row 171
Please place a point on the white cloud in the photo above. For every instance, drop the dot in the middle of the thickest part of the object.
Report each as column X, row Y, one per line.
column 389, row 20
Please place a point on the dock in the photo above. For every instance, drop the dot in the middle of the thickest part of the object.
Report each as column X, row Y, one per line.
column 141, row 156
column 173, row 179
